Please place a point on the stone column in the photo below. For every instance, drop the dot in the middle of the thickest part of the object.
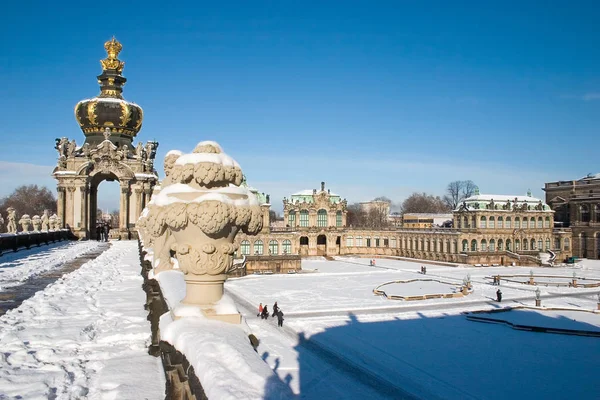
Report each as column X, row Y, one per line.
column 124, row 206
column 60, row 204
column 84, row 191
column 69, row 208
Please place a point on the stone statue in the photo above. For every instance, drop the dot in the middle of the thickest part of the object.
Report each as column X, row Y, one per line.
column 11, row 225
column 140, row 153
column 86, row 149
column 61, row 146
column 45, row 221
column 71, row 147
column 123, row 152
column 52, row 220
column 199, row 222
column 36, row 222
column 25, row 222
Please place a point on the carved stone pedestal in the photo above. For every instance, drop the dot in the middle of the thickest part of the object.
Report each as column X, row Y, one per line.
column 538, row 302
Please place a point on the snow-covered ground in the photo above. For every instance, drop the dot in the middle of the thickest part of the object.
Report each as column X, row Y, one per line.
column 84, row 336
column 426, row 348
column 21, row 265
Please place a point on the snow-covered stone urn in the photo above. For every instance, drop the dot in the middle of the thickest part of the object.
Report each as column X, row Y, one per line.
column 25, row 222
column 36, row 221
column 203, row 208
column 52, row 222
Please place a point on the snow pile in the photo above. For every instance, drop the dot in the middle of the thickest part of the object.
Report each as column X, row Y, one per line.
column 221, row 354
column 85, row 336
column 18, row 267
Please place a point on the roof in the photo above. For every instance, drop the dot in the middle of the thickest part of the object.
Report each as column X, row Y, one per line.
column 591, row 176
column 429, row 215
column 482, row 202
column 309, row 192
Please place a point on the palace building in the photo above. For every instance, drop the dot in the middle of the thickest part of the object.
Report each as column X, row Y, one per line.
column 487, row 230
column 577, row 205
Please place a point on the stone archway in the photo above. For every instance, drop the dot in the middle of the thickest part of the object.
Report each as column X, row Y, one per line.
column 321, row 245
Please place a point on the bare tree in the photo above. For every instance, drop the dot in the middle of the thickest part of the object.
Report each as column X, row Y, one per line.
column 356, row 216
column 424, row 203
column 457, row 191
column 30, row 199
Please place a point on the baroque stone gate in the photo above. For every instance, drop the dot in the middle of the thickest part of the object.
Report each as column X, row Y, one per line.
column 109, row 124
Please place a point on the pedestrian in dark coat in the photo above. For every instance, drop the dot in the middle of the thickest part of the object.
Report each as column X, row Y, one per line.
column 280, row 318
column 265, row 313
column 98, row 231
column 106, row 230
column 275, row 309
column 499, row 295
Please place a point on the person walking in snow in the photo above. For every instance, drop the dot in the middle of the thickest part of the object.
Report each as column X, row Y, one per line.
column 106, row 230
column 280, row 318
column 260, row 308
column 265, row 313
column 499, row 295
column 275, row 309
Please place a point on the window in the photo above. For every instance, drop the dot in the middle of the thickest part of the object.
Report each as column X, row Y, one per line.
column 540, row 223
column 386, row 242
column 376, row 242
column 483, row 223
column 500, row 245
column 359, row 241
column 393, row 243
column 368, row 242
column 455, row 244
column 292, row 218
column 540, row 248
column 473, row 245
column 466, row 222
column 517, row 222
column 286, row 247
column 567, row 243
column 273, row 247
column 349, row 241
column 322, row 218
column 525, row 244
column 428, row 245
column 338, row 219
column 304, row 218
column 531, row 223
column 507, row 225
column 597, row 212
column 483, row 245
column 557, row 243
column 508, row 245
column 547, row 222
column 517, row 245
column 584, row 213
column 258, row 248
column 547, row 244
column 492, row 223
column 532, row 244
column 465, row 245
column 492, row 246
column 500, row 222
column 245, row 247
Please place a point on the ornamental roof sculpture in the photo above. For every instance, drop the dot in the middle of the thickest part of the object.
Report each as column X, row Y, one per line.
column 500, row 202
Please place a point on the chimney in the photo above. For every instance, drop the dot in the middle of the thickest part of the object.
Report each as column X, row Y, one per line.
column 322, row 186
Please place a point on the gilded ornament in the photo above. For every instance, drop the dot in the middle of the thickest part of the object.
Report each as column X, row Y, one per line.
column 126, row 114
column 110, row 93
column 77, row 114
column 140, row 119
column 111, row 81
column 91, row 112
column 113, row 48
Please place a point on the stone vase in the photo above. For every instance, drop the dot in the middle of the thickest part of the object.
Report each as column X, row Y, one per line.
column 36, row 222
column 25, row 222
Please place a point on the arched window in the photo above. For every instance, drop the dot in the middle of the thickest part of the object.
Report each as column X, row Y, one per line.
column 532, row 244
column 567, row 243
column 322, row 218
column 584, row 212
column 483, row 245
column 540, row 223
column 273, row 247
column 500, row 245
column 539, row 244
column 359, row 241
column 517, row 245
column 492, row 223
column 525, row 244
column 258, row 247
column 473, row 245
column 304, row 218
column 547, row 244
column 465, row 246
column 466, row 222
column 245, row 248
column 500, row 222
column 517, row 222
column 492, row 246
column 483, row 223
column 531, row 223
column 338, row 219
column 508, row 245
column 557, row 243
column 292, row 218
column 547, row 222
column 507, row 224
column 286, row 246
column 349, row 241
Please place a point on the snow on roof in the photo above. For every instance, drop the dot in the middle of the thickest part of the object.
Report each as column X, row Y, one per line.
column 216, row 158
column 502, row 198
column 174, row 152
column 309, row 192
column 143, row 175
column 591, row 176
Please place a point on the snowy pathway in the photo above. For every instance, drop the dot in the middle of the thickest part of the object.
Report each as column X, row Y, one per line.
column 17, row 267
column 84, row 336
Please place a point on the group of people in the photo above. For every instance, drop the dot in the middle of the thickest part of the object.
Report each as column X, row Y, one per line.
column 102, row 229
column 372, row 263
column 263, row 313
column 423, row 269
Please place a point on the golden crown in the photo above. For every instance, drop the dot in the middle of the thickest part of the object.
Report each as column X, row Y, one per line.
column 113, row 48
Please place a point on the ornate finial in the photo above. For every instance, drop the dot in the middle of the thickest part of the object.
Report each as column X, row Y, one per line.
column 113, row 48
column 528, row 192
column 107, row 133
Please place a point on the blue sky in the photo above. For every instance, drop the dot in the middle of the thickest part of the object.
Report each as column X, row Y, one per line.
column 375, row 98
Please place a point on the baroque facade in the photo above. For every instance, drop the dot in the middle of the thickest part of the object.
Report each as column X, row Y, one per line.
column 109, row 124
column 488, row 230
column 577, row 205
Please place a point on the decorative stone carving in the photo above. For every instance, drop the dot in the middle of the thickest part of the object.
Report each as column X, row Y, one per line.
column 11, row 224
column 36, row 222
column 197, row 215
column 45, row 219
column 25, row 222
column 53, row 222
